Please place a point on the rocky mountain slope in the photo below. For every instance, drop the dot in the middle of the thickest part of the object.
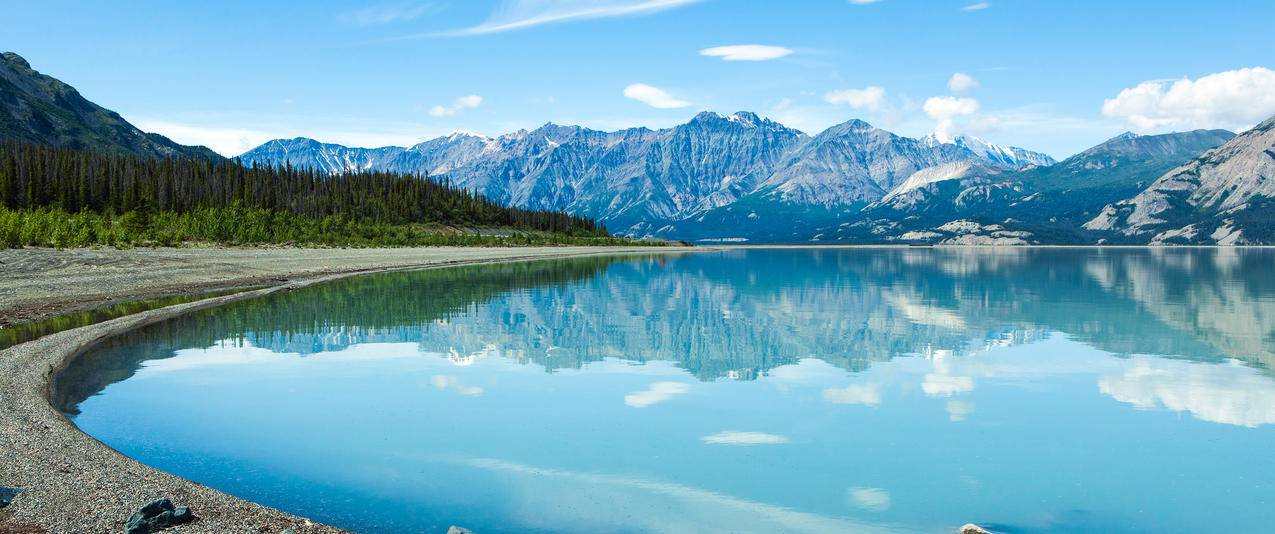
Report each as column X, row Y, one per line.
column 689, row 181
column 742, row 178
column 1224, row 196
column 1036, row 204
column 37, row 108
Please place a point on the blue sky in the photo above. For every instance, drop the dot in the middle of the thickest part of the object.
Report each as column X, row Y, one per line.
column 1056, row 76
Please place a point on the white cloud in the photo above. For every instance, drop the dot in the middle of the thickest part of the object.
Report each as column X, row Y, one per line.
column 449, row 382
column 941, row 385
column 957, row 410
column 921, row 313
column 653, row 96
column 869, row 98
column 961, row 82
column 386, row 14
column 748, row 52
column 1234, row 99
column 211, row 131
column 977, row 6
column 939, row 107
column 744, row 438
column 872, row 499
column 946, row 111
column 520, row 14
column 863, row 2
column 459, row 105
column 1230, row 394
column 224, row 141
column 655, row 394
column 865, row 394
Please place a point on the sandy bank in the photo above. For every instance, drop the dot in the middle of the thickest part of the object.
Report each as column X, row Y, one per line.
column 73, row 483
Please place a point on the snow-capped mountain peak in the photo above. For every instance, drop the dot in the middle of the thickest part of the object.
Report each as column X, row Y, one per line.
column 1005, row 155
column 460, row 134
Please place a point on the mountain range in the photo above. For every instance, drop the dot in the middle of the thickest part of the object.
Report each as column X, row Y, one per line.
column 742, row 178
column 662, row 183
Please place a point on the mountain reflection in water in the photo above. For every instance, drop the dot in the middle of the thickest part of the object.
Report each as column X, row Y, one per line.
column 787, row 390
column 847, row 307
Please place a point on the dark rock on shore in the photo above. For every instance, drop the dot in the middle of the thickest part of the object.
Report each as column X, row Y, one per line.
column 158, row 515
column 7, row 495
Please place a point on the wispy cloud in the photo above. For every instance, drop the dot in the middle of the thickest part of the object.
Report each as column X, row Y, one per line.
column 521, row 14
column 744, row 438
column 653, row 96
column 941, row 385
column 977, row 6
column 872, row 499
column 958, row 410
column 634, row 497
column 459, row 105
column 233, row 133
column 449, row 382
column 386, row 14
column 864, row 394
column 655, row 394
column 869, row 98
column 747, row 52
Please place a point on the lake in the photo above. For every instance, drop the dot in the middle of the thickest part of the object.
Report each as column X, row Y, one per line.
column 760, row 390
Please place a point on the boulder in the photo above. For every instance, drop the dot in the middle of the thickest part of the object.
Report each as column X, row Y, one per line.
column 7, row 495
column 458, row 530
column 157, row 515
column 971, row 528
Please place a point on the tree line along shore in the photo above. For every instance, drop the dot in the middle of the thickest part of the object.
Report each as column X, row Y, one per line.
column 60, row 197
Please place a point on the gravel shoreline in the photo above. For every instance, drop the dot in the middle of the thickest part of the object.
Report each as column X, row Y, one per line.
column 41, row 283
column 74, row 483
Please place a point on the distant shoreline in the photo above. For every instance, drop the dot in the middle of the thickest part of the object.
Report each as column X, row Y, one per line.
column 942, row 246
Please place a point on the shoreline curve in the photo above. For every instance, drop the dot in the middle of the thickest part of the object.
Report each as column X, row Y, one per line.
column 71, row 482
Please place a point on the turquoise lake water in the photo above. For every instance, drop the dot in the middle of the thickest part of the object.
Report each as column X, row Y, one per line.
column 787, row 390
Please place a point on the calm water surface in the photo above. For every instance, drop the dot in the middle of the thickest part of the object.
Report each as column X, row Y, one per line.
column 798, row 390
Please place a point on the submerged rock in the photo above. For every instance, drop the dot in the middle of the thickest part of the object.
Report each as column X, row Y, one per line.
column 458, row 530
column 7, row 495
column 157, row 515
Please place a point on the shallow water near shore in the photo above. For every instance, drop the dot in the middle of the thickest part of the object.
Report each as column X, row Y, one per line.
column 792, row 390
column 24, row 332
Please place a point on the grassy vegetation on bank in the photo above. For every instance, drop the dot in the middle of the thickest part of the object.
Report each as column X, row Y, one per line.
column 52, row 227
